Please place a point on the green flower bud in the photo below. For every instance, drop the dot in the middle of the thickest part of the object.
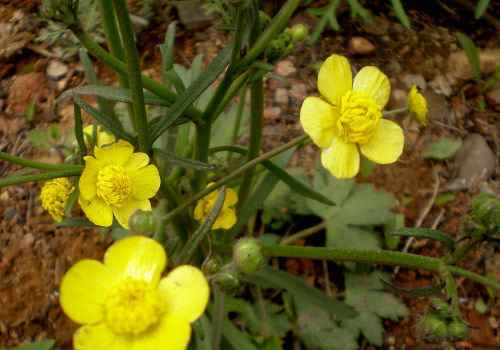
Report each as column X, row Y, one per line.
column 442, row 307
column 142, row 222
column 211, row 266
column 433, row 328
column 458, row 330
column 299, row 32
column 247, row 255
column 227, row 279
column 281, row 46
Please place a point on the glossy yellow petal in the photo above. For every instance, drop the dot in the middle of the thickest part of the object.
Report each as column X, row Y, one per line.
column 97, row 211
column 117, row 153
column 341, row 159
column 318, row 119
column 225, row 220
column 99, row 337
column 386, row 145
column 417, row 105
column 136, row 257
column 88, row 179
column 123, row 213
column 136, row 161
column 231, row 197
column 83, row 290
column 199, row 210
column 371, row 81
column 186, row 291
column 173, row 333
column 334, row 78
column 145, row 182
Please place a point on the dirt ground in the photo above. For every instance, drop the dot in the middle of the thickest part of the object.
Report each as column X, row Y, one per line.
column 34, row 254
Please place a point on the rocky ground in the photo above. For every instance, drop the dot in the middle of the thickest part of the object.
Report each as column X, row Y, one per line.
column 34, row 254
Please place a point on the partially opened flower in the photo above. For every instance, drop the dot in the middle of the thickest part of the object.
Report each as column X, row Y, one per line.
column 54, row 195
column 102, row 138
column 417, row 105
column 348, row 118
column 116, row 182
column 227, row 215
column 124, row 303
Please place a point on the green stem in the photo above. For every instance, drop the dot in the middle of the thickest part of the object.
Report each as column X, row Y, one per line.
column 79, row 131
column 38, row 165
column 385, row 257
column 304, row 233
column 150, row 84
column 257, row 110
column 395, row 111
column 278, row 24
column 217, row 318
column 233, row 175
column 237, row 119
column 462, row 251
column 134, row 74
column 19, row 179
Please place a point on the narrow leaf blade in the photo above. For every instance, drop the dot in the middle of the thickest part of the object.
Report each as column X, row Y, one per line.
column 472, row 53
column 425, row 233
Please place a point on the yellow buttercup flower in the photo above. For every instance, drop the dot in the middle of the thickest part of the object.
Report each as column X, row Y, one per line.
column 54, row 195
column 417, row 105
column 227, row 215
column 348, row 118
column 103, row 138
column 124, row 303
column 116, row 181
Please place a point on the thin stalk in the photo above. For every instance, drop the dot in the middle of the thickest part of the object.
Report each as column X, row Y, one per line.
column 134, row 74
column 114, row 42
column 119, row 66
column 233, row 175
column 237, row 119
column 304, row 233
column 38, row 165
column 79, row 131
column 278, row 24
column 20, row 179
column 385, row 257
column 256, row 112
column 217, row 318
column 395, row 111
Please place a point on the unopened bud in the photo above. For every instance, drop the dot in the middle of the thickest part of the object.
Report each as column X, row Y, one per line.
column 142, row 222
column 457, row 330
column 227, row 279
column 433, row 328
column 247, row 255
column 299, row 32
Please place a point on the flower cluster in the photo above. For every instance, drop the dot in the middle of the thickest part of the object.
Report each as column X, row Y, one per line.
column 347, row 119
column 54, row 195
column 124, row 303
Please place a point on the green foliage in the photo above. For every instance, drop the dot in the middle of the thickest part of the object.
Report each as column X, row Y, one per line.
column 46, row 138
column 442, row 149
column 400, row 13
column 38, row 345
column 481, row 7
column 472, row 53
column 485, row 213
column 327, row 16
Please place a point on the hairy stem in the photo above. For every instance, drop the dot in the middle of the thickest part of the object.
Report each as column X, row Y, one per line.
column 38, row 165
column 20, row 179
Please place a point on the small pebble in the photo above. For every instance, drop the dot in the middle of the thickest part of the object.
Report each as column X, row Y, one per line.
column 361, row 46
column 285, row 68
column 56, row 70
column 281, row 96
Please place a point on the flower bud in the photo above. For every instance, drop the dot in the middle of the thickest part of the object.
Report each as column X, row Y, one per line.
column 458, row 330
column 299, row 32
column 211, row 266
column 433, row 328
column 142, row 222
column 442, row 307
column 227, row 279
column 247, row 255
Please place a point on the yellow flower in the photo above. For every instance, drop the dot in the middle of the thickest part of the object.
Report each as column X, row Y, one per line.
column 117, row 182
column 103, row 138
column 227, row 216
column 124, row 303
column 348, row 119
column 54, row 195
column 417, row 105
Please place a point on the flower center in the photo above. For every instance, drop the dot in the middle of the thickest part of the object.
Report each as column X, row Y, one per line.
column 359, row 117
column 133, row 307
column 113, row 185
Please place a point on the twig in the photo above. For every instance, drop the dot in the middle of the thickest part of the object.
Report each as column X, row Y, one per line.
column 422, row 216
column 304, row 233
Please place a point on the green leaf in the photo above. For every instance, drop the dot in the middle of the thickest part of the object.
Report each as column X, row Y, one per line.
column 341, row 235
column 319, row 331
column 444, row 148
column 369, row 325
column 426, row 233
column 167, row 48
column 445, row 198
column 400, row 13
column 202, row 334
column 38, row 345
column 214, row 69
column 108, row 122
column 237, row 339
column 270, row 278
column 472, row 53
column 481, row 8
column 183, row 162
column 29, row 112
column 414, row 292
column 111, row 93
column 358, row 10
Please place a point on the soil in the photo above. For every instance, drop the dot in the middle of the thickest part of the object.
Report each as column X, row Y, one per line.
column 34, row 254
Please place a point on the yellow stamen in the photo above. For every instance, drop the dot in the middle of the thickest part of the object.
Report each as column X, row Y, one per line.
column 54, row 195
column 132, row 307
column 359, row 117
column 113, row 185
